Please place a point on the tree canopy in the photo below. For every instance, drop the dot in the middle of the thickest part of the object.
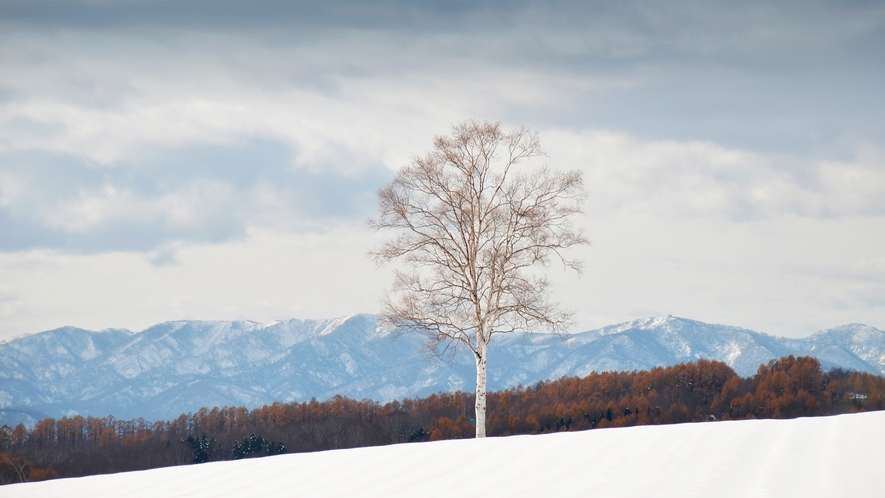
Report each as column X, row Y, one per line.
column 474, row 230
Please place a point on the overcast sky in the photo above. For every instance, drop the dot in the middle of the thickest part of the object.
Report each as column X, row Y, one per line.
column 206, row 159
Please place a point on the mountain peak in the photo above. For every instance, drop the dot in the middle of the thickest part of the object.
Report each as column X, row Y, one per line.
column 176, row 367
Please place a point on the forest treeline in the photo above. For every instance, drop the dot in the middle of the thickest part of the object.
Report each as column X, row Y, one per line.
column 693, row 392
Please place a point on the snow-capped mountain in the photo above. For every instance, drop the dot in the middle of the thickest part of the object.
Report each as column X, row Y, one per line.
column 178, row 367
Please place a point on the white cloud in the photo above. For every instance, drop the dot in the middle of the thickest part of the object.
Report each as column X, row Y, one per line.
column 326, row 99
column 267, row 276
column 217, row 163
column 789, row 276
column 680, row 179
column 181, row 210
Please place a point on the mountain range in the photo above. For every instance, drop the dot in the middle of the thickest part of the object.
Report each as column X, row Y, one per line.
column 178, row 367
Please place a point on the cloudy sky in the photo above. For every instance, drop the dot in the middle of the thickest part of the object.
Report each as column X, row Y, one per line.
column 206, row 159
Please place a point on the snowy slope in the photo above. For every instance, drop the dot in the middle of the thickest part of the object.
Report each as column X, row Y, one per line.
column 178, row 367
column 811, row 457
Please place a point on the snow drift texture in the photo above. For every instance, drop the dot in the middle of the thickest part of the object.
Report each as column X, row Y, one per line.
column 178, row 367
column 810, row 457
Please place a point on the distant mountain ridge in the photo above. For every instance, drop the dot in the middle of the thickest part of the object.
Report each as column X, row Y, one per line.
column 178, row 367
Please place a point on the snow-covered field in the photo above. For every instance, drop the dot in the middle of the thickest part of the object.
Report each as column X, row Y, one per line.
column 810, row 457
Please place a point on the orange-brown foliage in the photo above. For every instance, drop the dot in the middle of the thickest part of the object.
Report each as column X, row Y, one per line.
column 692, row 392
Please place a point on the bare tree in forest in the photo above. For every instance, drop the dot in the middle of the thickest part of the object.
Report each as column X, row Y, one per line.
column 473, row 234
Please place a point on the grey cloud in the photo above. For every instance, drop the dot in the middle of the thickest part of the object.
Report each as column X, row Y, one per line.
column 799, row 79
column 779, row 76
column 198, row 194
column 626, row 29
column 761, row 30
column 234, row 13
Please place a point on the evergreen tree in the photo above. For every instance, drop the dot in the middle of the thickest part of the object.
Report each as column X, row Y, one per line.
column 202, row 447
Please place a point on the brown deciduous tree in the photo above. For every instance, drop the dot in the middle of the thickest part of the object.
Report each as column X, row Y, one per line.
column 473, row 229
column 699, row 391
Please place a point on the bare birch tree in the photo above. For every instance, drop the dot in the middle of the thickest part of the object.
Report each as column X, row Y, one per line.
column 472, row 230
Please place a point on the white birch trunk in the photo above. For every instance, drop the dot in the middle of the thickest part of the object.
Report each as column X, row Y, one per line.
column 470, row 228
column 481, row 359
